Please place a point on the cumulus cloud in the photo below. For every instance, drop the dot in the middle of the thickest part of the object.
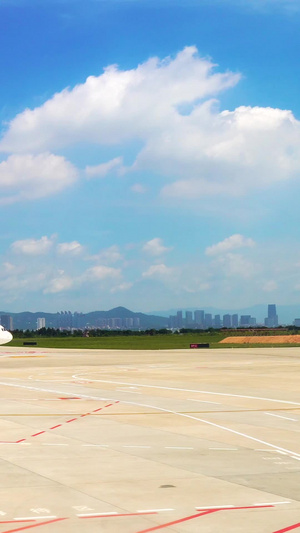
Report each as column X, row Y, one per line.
column 100, row 171
column 32, row 246
column 118, row 105
column 101, row 272
column 28, row 177
column 122, row 287
column 60, row 284
column 155, row 247
column 108, row 255
column 73, row 248
column 230, row 243
column 158, row 271
column 167, row 108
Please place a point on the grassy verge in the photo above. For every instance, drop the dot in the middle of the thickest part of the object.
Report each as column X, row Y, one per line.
column 157, row 342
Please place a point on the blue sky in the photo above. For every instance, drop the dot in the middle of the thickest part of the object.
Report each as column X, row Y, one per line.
column 149, row 153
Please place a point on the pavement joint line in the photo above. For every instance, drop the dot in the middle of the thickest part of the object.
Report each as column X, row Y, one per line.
column 189, row 390
column 249, row 437
column 60, row 425
column 285, row 417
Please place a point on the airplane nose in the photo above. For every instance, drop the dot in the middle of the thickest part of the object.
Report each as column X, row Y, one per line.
column 5, row 337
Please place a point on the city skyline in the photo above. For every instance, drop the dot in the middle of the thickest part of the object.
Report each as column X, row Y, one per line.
column 122, row 318
column 148, row 153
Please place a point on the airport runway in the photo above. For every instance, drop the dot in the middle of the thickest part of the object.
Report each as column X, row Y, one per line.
column 182, row 441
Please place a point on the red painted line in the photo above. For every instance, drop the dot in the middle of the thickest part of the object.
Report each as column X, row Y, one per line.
column 109, row 405
column 117, row 515
column 21, row 440
column 86, row 414
column 162, row 526
column 72, row 420
column 295, row 526
column 95, row 411
column 35, row 525
column 248, row 507
column 36, row 434
column 58, row 426
column 70, row 398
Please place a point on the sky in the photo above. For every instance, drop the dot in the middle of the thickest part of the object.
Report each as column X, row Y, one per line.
column 149, row 154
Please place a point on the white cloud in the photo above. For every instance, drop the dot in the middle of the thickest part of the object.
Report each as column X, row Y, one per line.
column 235, row 265
column 168, row 107
column 101, row 272
column 230, row 243
column 122, row 287
column 59, row 284
column 32, row 246
column 270, row 286
column 108, row 255
column 100, row 171
column 28, row 177
column 155, row 247
column 158, row 271
column 118, row 105
column 73, row 248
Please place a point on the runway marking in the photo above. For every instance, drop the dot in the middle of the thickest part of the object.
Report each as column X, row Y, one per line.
column 116, row 515
column 224, row 428
column 34, row 525
column 66, row 422
column 174, row 522
column 204, row 512
column 285, row 417
column 186, row 390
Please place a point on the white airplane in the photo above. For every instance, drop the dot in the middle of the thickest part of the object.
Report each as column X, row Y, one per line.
column 5, row 336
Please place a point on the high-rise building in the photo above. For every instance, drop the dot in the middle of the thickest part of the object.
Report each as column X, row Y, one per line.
column 208, row 321
column 272, row 319
column 7, row 322
column 199, row 318
column 217, row 322
column 226, row 321
column 235, row 321
column 179, row 319
column 245, row 321
column 188, row 318
column 40, row 323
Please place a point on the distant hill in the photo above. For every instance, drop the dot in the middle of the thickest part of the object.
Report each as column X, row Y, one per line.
column 28, row 320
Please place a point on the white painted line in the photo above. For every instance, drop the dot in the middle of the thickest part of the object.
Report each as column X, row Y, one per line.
column 214, row 507
column 285, row 417
column 185, row 390
column 98, row 514
column 154, row 510
column 224, row 428
column 202, row 401
column 293, row 457
column 271, row 503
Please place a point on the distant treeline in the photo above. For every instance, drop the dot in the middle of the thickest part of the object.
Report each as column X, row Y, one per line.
column 53, row 332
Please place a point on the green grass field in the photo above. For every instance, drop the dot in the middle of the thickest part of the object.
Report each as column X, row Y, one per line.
column 157, row 342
